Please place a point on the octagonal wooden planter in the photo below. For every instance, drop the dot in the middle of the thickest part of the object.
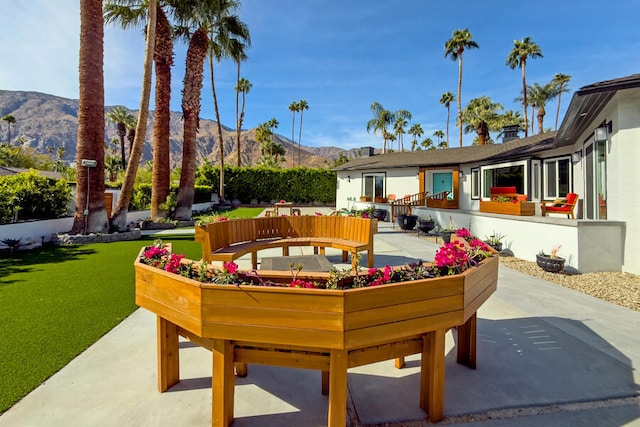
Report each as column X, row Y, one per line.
column 327, row 330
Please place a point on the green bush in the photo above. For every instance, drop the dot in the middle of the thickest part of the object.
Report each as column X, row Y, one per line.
column 31, row 196
column 141, row 198
column 300, row 185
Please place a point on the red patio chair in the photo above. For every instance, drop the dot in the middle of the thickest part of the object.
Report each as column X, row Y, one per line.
column 561, row 206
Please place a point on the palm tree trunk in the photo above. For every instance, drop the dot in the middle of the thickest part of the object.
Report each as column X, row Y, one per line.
column 219, row 126
column 119, row 215
column 90, row 215
column 558, row 110
column 448, row 115
column 163, row 58
column 459, row 120
column 541, row 113
column 196, row 54
column 300, row 137
column 293, row 139
column 238, row 116
column 524, row 98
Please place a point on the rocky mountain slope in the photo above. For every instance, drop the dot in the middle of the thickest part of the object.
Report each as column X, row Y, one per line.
column 47, row 122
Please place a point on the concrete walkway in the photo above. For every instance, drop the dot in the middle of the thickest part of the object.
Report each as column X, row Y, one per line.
column 547, row 356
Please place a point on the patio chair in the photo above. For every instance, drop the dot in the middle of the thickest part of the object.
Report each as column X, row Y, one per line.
column 561, row 206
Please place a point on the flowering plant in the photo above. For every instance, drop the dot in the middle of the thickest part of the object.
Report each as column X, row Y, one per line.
column 451, row 258
column 553, row 253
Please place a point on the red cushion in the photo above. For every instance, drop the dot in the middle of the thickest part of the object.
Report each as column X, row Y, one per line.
column 502, row 190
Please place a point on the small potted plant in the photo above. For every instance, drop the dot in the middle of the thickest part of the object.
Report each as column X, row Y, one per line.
column 550, row 262
column 447, row 231
column 495, row 241
column 426, row 225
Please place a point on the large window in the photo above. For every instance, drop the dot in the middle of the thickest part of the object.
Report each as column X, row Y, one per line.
column 558, row 177
column 373, row 185
column 504, row 175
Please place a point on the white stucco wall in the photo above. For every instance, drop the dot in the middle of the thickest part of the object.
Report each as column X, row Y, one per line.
column 398, row 181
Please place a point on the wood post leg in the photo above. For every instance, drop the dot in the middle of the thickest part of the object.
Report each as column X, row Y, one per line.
column 254, row 260
column 466, row 345
column 222, row 383
column 432, row 375
column 241, row 369
column 399, row 362
column 325, row 383
column 344, row 256
column 168, row 354
column 338, row 388
column 370, row 258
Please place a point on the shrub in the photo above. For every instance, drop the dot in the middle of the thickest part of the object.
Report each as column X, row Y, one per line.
column 30, row 196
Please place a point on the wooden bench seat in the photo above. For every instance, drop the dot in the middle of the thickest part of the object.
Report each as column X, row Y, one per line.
column 227, row 241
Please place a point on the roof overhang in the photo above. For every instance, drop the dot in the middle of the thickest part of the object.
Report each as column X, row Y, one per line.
column 587, row 104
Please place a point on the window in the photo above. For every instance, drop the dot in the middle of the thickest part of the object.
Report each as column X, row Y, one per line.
column 504, row 175
column 373, row 185
column 536, row 179
column 558, row 177
column 475, row 183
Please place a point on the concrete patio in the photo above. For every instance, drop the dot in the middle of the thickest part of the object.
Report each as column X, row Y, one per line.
column 547, row 355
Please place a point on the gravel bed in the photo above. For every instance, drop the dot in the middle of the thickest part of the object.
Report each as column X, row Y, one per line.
column 618, row 288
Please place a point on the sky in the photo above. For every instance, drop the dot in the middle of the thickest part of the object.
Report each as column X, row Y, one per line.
column 342, row 56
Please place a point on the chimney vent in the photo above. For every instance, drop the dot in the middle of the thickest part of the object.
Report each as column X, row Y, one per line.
column 510, row 132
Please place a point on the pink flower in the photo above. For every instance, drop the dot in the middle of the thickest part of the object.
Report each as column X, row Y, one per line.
column 372, row 271
column 173, row 263
column 230, row 267
column 298, row 283
column 155, row 252
column 222, row 218
column 463, row 232
column 282, row 201
column 318, row 213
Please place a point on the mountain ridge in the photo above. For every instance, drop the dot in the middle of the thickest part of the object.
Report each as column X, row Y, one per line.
column 47, row 122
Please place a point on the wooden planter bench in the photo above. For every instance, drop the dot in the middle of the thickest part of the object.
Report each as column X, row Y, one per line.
column 227, row 241
column 326, row 330
column 505, row 200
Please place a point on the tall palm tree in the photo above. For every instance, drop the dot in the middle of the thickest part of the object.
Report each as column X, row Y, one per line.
column 427, row 144
column 454, row 47
column 540, row 95
column 302, row 105
column 294, row 108
column 398, row 129
column 227, row 35
column 562, row 83
column 119, row 213
column 382, row 118
column 239, row 55
column 416, row 131
column 90, row 215
column 130, row 13
column 119, row 116
column 446, row 100
column 521, row 51
column 194, row 73
column 438, row 134
column 243, row 86
column 482, row 116
column 10, row 119
column 161, row 172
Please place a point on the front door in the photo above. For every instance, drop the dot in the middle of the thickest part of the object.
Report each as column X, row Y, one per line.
column 442, row 182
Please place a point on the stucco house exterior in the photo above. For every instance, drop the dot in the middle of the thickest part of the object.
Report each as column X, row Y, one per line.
column 595, row 153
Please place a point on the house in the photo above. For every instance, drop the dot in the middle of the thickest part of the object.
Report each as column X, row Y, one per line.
column 595, row 153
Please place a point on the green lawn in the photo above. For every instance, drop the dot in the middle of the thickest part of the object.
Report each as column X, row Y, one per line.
column 57, row 301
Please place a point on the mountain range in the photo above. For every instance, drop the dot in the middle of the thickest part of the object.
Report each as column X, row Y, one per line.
column 47, row 122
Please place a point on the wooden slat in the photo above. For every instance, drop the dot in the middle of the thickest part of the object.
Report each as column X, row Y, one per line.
column 300, row 360
column 268, row 317
column 385, row 352
column 274, row 335
column 398, row 330
column 271, row 297
column 400, row 312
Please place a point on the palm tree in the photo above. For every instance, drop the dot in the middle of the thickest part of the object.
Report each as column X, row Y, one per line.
column 382, row 118
column 447, row 99
column 302, row 105
column 562, row 83
column 540, row 95
column 454, row 47
column 119, row 213
column 294, row 108
column 118, row 115
column 194, row 73
column 438, row 134
column 427, row 144
column 243, row 86
column 416, row 131
column 10, row 121
column 130, row 13
column 522, row 50
column 90, row 215
column 482, row 116
column 400, row 122
column 239, row 55
column 227, row 37
column 161, row 172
